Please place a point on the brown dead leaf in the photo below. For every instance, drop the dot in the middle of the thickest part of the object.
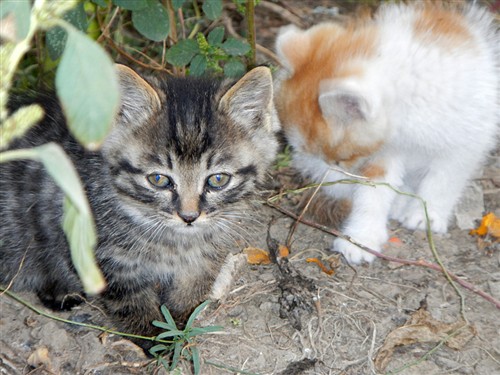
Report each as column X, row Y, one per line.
column 423, row 328
column 257, row 256
column 260, row 256
column 490, row 225
column 40, row 357
column 283, row 251
column 320, row 265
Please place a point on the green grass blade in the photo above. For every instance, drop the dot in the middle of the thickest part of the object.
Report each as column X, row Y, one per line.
column 195, row 313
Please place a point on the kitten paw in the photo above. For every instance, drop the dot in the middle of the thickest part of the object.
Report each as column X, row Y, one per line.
column 352, row 253
column 417, row 221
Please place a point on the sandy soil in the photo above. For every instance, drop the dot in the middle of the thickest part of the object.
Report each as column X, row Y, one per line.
column 293, row 318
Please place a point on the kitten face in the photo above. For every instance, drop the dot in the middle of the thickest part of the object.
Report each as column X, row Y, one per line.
column 193, row 159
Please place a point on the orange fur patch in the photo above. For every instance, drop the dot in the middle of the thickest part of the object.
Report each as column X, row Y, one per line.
column 436, row 24
column 372, row 171
column 332, row 50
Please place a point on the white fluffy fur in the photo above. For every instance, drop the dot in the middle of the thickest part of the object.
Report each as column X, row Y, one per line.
column 435, row 106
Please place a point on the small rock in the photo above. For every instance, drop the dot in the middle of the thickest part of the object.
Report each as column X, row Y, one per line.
column 235, row 311
column 266, row 277
column 471, row 206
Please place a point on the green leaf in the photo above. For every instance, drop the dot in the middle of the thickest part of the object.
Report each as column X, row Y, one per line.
column 168, row 317
column 212, row 9
column 216, row 36
column 82, row 238
column 158, row 348
column 20, row 11
column 152, row 21
column 101, row 3
column 131, row 4
column 198, row 65
column 234, row 69
column 197, row 331
column 195, row 313
column 163, row 325
column 177, row 354
column 78, row 224
column 19, row 123
column 56, row 36
column 195, row 359
column 235, row 47
column 177, row 4
column 182, row 53
column 172, row 333
column 87, row 86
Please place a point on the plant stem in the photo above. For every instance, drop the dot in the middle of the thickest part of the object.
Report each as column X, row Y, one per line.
column 420, row 263
column 250, row 16
column 92, row 326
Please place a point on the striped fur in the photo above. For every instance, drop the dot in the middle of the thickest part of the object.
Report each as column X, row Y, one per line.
column 156, row 245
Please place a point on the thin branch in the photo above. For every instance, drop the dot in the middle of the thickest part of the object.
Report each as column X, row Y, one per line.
column 92, row 326
column 250, row 16
column 420, row 262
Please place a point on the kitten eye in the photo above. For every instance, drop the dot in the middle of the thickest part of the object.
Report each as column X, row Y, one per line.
column 218, row 180
column 160, row 180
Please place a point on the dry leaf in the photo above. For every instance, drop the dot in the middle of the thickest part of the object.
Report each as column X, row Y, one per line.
column 257, row 256
column 490, row 225
column 320, row 265
column 283, row 251
column 395, row 241
column 423, row 328
column 40, row 357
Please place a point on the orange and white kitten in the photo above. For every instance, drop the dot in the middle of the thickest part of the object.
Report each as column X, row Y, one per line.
column 410, row 98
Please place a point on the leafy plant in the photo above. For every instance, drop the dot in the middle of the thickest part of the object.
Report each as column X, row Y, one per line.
column 85, row 79
column 206, row 53
column 192, row 38
column 183, row 341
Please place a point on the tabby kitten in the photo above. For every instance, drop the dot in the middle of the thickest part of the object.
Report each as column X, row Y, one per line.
column 169, row 190
column 409, row 98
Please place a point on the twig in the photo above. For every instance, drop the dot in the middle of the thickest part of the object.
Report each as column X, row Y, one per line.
column 288, row 242
column 367, row 182
column 105, row 31
column 92, row 326
column 420, row 262
column 250, row 16
column 282, row 12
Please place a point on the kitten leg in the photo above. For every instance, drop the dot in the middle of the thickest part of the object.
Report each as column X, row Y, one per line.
column 441, row 188
column 400, row 204
column 367, row 223
column 133, row 308
column 189, row 290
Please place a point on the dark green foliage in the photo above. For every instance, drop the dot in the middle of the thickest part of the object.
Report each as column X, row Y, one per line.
column 152, row 21
column 55, row 38
column 210, row 53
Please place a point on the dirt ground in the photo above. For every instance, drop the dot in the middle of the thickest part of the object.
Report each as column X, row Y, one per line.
column 361, row 320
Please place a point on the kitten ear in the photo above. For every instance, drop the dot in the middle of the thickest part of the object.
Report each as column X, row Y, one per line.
column 250, row 100
column 138, row 98
column 345, row 104
column 292, row 47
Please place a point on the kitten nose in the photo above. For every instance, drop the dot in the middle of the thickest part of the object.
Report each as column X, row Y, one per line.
column 189, row 216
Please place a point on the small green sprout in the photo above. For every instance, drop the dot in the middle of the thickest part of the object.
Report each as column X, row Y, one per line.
column 183, row 345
